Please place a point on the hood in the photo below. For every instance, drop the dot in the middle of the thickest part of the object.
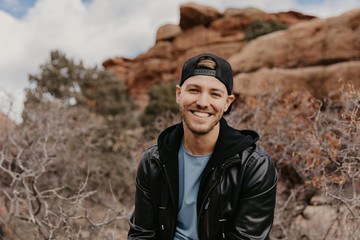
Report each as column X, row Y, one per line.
column 229, row 143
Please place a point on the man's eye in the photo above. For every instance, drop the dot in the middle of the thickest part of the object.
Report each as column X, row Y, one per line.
column 193, row 90
column 216, row 94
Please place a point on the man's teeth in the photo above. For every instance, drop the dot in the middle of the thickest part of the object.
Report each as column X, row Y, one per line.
column 201, row 114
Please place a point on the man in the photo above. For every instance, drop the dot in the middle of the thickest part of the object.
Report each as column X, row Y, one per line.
column 204, row 179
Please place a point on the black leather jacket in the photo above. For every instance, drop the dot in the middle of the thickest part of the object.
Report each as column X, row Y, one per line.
column 236, row 198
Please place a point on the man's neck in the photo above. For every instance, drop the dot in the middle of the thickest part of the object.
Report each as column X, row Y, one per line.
column 197, row 144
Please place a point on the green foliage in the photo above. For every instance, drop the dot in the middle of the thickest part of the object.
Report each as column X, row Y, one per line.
column 64, row 80
column 108, row 96
column 99, row 123
column 60, row 77
column 261, row 27
column 162, row 100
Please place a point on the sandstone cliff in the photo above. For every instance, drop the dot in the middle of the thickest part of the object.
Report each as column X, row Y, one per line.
column 312, row 53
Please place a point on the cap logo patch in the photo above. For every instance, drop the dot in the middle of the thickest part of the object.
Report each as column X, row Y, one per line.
column 201, row 71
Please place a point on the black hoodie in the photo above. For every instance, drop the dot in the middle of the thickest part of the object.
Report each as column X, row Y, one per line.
column 236, row 197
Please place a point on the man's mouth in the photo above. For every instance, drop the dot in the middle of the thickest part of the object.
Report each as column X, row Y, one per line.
column 201, row 114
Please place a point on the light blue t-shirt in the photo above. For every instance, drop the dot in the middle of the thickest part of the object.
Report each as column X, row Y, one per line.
column 190, row 171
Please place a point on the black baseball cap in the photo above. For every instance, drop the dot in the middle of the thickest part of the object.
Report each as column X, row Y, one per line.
column 222, row 71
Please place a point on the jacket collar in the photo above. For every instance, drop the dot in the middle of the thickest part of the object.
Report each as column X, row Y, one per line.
column 229, row 143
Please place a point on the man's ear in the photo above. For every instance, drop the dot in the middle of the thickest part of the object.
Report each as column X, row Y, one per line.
column 229, row 100
column 178, row 92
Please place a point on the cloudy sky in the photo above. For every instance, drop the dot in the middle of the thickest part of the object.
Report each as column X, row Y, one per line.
column 95, row 30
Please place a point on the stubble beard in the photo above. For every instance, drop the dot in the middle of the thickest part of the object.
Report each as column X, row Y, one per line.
column 197, row 130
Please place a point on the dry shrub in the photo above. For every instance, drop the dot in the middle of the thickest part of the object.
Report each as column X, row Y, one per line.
column 315, row 144
column 46, row 171
column 73, row 153
column 160, row 123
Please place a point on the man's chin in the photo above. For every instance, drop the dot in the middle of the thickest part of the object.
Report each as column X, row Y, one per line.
column 199, row 130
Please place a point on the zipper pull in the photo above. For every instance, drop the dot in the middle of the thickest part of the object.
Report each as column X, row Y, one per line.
column 222, row 221
column 207, row 204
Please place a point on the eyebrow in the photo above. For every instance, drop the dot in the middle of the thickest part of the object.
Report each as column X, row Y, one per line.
column 198, row 86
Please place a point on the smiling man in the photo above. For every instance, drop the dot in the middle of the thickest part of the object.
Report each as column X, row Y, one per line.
column 204, row 179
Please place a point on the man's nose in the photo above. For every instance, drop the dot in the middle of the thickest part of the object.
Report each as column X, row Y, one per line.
column 203, row 100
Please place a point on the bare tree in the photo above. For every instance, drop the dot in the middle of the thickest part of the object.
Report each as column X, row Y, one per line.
column 44, row 188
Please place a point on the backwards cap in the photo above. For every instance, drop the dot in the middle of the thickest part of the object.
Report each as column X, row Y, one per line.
column 222, row 71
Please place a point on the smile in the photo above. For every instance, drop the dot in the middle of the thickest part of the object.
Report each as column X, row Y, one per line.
column 201, row 114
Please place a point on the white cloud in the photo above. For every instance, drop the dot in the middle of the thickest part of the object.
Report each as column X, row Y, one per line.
column 328, row 8
column 100, row 29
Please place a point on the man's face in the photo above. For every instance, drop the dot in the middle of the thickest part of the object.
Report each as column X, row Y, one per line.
column 203, row 101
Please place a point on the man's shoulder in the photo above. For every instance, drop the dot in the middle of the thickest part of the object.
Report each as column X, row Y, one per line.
column 257, row 152
column 150, row 153
column 255, row 155
column 259, row 170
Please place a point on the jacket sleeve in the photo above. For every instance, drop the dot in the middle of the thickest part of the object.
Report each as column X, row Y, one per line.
column 255, row 210
column 142, row 222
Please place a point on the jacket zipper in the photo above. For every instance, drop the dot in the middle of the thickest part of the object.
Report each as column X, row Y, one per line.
column 207, row 218
column 207, row 198
column 163, row 171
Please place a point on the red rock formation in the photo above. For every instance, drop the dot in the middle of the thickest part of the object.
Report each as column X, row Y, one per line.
column 312, row 53
column 168, row 32
column 193, row 14
column 320, row 81
column 316, row 42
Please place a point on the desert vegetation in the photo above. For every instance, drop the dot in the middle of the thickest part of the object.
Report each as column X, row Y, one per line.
column 68, row 170
column 72, row 152
column 259, row 27
column 315, row 146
